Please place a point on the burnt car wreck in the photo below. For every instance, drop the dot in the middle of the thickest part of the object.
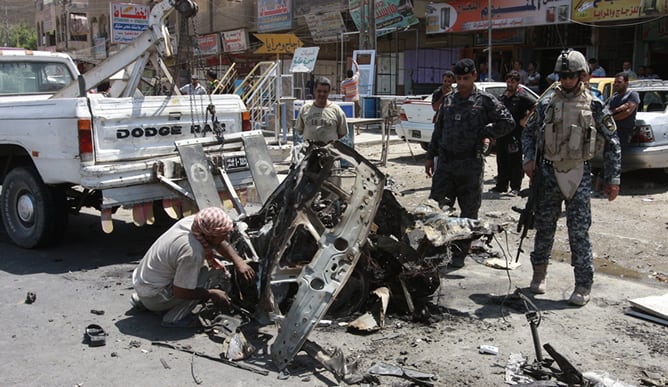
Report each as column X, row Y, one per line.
column 326, row 238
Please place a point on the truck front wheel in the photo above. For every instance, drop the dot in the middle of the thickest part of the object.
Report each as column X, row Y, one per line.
column 31, row 211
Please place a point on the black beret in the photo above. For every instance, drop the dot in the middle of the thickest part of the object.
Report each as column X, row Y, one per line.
column 464, row 66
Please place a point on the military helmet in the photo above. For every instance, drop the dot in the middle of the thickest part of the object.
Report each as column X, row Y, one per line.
column 571, row 61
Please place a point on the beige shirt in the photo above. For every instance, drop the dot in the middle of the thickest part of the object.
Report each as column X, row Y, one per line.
column 321, row 124
column 176, row 257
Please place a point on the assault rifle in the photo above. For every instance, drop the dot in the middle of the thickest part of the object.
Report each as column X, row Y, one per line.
column 528, row 213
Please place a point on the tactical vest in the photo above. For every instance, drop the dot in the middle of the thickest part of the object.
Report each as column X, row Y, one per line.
column 570, row 128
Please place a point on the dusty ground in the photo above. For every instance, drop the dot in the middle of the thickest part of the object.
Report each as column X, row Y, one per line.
column 41, row 343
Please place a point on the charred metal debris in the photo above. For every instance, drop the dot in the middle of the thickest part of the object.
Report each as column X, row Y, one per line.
column 325, row 240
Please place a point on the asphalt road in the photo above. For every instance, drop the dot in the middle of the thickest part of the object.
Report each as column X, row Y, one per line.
column 42, row 343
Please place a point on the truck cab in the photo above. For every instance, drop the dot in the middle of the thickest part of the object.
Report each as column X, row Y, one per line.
column 26, row 72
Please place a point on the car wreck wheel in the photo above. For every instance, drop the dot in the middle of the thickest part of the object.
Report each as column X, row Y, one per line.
column 352, row 297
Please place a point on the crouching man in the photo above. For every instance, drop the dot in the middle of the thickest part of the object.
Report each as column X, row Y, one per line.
column 176, row 271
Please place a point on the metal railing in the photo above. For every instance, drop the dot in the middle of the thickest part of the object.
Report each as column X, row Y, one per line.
column 260, row 91
column 226, row 82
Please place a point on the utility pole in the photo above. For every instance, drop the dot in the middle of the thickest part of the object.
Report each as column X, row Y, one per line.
column 371, row 16
column 65, row 22
column 489, row 41
column 363, row 25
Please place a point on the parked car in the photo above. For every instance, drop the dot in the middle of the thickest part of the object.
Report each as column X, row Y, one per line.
column 649, row 143
column 603, row 85
column 416, row 114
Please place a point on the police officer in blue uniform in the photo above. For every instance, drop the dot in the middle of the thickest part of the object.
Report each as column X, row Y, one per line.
column 458, row 136
column 568, row 127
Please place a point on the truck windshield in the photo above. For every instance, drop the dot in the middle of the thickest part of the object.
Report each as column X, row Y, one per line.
column 25, row 77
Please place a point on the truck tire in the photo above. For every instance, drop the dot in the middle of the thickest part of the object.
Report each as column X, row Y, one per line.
column 33, row 213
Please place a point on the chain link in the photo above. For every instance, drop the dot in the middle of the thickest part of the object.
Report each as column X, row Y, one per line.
column 211, row 108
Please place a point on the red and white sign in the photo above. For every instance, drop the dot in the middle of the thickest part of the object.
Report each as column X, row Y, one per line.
column 208, row 45
column 235, row 40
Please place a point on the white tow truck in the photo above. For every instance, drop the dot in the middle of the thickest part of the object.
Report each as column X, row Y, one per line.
column 63, row 148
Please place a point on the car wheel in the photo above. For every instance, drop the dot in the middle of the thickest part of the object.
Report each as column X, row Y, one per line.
column 352, row 296
column 33, row 213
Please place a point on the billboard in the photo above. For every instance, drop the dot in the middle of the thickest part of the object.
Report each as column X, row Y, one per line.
column 207, row 45
column 465, row 15
column 390, row 15
column 304, row 59
column 127, row 21
column 274, row 15
column 596, row 10
column 235, row 40
column 325, row 27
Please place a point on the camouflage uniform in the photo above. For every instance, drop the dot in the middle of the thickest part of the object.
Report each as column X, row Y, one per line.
column 578, row 208
column 457, row 141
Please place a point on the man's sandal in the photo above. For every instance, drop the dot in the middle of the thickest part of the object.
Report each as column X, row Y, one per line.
column 95, row 336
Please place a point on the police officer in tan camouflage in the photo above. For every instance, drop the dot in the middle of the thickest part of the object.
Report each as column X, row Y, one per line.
column 568, row 127
column 457, row 140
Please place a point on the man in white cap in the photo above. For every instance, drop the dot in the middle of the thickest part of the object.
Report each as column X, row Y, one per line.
column 173, row 276
column 194, row 87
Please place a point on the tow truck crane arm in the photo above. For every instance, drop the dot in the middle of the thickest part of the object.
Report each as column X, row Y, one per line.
column 154, row 40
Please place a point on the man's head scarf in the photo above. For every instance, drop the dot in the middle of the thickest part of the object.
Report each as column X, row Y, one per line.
column 211, row 222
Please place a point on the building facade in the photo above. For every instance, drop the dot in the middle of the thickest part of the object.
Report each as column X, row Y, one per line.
column 415, row 41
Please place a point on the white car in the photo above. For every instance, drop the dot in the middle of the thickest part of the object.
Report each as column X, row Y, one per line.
column 648, row 147
column 417, row 115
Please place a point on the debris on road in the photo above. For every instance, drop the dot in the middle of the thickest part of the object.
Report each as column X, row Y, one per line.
column 325, row 239
column 417, row 377
column 30, row 298
column 488, row 349
column 652, row 308
column 374, row 319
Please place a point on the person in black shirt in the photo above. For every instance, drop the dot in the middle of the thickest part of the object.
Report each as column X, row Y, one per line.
column 509, row 147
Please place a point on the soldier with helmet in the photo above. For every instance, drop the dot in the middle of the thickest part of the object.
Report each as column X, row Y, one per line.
column 459, row 133
column 568, row 128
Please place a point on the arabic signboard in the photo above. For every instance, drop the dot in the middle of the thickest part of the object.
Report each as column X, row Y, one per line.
column 390, row 15
column 598, row 10
column 304, row 59
column 274, row 15
column 128, row 21
column 302, row 7
column 278, row 43
column 207, row 45
column 325, row 27
column 235, row 40
column 465, row 15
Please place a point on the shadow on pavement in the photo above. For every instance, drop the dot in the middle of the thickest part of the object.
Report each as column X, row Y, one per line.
column 497, row 306
column 85, row 247
column 146, row 325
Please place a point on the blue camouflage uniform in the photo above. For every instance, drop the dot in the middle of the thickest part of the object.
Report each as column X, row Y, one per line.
column 457, row 141
column 578, row 208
